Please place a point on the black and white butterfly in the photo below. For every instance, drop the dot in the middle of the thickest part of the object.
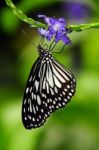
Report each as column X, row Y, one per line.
column 50, row 86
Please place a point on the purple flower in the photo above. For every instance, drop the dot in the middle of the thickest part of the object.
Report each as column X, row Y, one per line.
column 56, row 29
column 45, row 33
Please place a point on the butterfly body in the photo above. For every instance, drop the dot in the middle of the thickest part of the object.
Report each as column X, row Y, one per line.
column 49, row 87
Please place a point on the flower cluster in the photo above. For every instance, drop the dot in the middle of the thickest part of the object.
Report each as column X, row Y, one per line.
column 56, row 29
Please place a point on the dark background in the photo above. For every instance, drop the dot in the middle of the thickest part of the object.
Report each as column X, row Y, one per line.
column 76, row 127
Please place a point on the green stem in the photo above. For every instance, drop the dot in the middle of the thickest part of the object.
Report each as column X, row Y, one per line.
column 37, row 24
column 23, row 17
column 82, row 27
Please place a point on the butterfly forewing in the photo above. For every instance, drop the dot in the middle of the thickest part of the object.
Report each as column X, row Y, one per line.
column 50, row 86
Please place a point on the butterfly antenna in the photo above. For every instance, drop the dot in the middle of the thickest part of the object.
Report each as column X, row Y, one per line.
column 41, row 40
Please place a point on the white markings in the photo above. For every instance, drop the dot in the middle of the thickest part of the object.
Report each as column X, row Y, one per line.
column 27, row 89
column 55, row 99
column 68, row 86
column 44, row 83
column 63, row 93
column 32, row 95
column 65, row 90
column 64, row 70
column 59, row 104
column 50, row 77
column 36, row 85
column 30, row 105
column 35, row 125
column 48, row 100
column 72, row 90
column 40, row 116
column 43, row 95
column 33, row 119
column 54, row 102
column 46, row 104
column 70, row 94
column 65, row 100
column 58, row 75
column 74, row 80
column 63, row 103
column 59, row 98
column 38, row 100
column 42, row 110
column 50, row 110
column 52, row 93
column 31, row 125
column 34, row 110
column 36, row 107
column 25, row 118
column 24, row 101
column 30, row 89
column 50, row 107
column 68, row 97
column 57, row 83
column 24, row 110
column 62, row 73
column 30, row 79
column 47, row 87
column 37, row 119
column 46, row 115
column 29, row 117
column 56, row 90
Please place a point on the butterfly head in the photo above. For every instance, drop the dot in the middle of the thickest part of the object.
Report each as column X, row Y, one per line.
column 43, row 52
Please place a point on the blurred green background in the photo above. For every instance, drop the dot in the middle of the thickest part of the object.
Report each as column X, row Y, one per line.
column 76, row 127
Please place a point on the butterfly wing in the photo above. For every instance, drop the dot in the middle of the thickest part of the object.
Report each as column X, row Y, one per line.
column 30, row 107
column 58, row 86
column 49, row 87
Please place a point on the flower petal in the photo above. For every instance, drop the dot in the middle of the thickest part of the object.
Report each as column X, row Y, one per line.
column 66, row 39
column 56, row 29
column 41, row 16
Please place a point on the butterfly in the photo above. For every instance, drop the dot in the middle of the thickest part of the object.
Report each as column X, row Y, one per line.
column 50, row 86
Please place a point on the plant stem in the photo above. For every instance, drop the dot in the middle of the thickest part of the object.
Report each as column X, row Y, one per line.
column 37, row 24
column 23, row 17
column 82, row 27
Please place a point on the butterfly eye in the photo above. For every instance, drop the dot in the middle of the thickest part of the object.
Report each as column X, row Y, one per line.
column 50, row 86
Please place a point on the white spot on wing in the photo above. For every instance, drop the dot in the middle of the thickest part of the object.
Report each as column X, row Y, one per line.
column 34, row 110
column 27, row 89
column 56, row 90
column 30, row 106
column 32, row 95
column 38, row 100
column 70, row 94
column 68, row 86
column 36, row 85
column 52, row 93
column 30, row 79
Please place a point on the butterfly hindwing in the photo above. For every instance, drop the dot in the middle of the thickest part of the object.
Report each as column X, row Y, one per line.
column 58, row 86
